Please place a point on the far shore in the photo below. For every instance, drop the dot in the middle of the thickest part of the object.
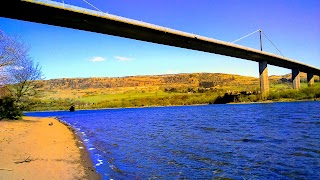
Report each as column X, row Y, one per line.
column 246, row 102
column 42, row 148
column 272, row 101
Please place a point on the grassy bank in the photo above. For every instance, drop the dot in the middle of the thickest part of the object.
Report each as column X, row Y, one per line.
column 142, row 97
column 303, row 93
column 140, row 100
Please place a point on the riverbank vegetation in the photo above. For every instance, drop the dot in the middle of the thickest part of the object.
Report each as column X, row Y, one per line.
column 164, row 90
column 306, row 93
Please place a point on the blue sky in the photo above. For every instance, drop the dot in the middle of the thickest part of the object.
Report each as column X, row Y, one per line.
column 293, row 26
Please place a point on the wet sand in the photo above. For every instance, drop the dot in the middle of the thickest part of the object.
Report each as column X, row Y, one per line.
column 42, row 148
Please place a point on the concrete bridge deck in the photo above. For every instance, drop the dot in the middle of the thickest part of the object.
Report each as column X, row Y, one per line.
column 58, row 14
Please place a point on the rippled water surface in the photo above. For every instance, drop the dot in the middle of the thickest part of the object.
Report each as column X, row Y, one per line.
column 240, row 141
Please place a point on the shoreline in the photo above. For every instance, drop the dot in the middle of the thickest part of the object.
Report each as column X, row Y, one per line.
column 135, row 107
column 86, row 161
column 43, row 148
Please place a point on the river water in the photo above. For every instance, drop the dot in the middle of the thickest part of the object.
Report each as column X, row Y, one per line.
column 236, row 141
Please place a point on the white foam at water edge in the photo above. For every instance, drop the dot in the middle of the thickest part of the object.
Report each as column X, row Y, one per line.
column 91, row 149
column 86, row 140
column 80, row 147
column 100, row 162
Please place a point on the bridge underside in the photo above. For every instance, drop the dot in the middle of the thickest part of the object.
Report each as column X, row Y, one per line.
column 55, row 14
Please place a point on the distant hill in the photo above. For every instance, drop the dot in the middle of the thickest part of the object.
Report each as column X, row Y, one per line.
column 156, row 90
column 205, row 80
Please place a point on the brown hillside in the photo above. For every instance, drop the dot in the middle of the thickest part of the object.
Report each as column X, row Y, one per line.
column 133, row 91
column 76, row 88
column 204, row 80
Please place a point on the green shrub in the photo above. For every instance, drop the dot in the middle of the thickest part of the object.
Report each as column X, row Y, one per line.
column 291, row 93
column 304, row 93
column 274, row 96
column 253, row 98
column 9, row 109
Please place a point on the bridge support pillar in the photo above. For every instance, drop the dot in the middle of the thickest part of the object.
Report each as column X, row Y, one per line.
column 264, row 81
column 295, row 79
column 310, row 79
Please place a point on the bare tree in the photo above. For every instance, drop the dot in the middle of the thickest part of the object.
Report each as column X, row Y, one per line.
column 18, row 72
column 11, row 51
column 23, row 78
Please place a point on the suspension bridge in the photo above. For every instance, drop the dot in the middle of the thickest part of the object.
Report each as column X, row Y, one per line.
column 64, row 15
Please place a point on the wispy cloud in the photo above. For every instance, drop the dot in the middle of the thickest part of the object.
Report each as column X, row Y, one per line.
column 97, row 59
column 121, row 58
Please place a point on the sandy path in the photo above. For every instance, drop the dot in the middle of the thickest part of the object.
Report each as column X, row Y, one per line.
column 33, row 149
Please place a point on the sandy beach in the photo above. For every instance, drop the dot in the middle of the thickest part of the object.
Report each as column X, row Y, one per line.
column 42, row 148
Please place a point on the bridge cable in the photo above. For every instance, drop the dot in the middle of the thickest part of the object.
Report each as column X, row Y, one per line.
column 272, row 44
column 92, row 6
column 245, row 36
column 263, row 34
